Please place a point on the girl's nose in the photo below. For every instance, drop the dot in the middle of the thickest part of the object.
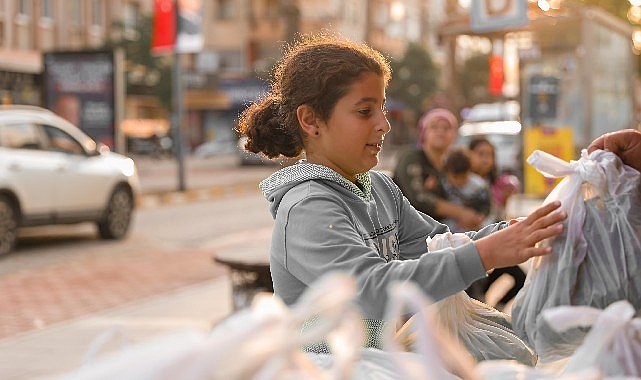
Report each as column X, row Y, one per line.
column 384, row 124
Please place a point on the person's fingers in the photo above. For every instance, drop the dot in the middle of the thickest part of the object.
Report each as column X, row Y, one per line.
column 540, row 212
column 625, row 143
column 555, row 217
column 544, row 233
column 531, row 252
column 597, row 144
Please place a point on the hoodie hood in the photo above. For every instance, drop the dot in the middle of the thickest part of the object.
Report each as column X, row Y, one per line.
column 278, row 184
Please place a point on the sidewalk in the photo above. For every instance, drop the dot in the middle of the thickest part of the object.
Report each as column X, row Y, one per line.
column 208, row 177
column 62, row 347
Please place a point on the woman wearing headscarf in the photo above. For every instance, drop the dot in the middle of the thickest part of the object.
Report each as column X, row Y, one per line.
column 419, row 171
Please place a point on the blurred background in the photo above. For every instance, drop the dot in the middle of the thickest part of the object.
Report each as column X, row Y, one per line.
column 571, row 67
column 164, row 81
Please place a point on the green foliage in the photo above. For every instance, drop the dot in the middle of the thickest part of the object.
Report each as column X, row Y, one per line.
column 474, row 75
column 414, row 77
column 145, row 73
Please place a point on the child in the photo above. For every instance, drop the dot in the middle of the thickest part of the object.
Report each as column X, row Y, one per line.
column 333, row 213
column 463, row 187
column 419, row 171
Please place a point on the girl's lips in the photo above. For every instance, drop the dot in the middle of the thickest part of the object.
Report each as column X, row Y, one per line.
column 376, row 146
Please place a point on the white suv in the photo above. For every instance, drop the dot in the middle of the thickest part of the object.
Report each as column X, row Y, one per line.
column 53, row 173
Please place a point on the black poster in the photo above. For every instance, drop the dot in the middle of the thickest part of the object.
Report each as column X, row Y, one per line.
column 543, row 92
column 79, row 86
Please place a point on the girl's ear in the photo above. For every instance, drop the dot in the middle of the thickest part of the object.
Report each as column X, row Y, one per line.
column 307, row 119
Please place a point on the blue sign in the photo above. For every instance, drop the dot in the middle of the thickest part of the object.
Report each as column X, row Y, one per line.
column 491, row 15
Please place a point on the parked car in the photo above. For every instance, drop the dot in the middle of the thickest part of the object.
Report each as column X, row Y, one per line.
column 499, row 123
column 53, row 173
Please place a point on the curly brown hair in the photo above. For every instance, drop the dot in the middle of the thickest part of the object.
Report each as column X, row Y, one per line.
column 317, row 71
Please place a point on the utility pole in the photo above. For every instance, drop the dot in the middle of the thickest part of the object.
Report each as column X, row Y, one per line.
column 177, row 116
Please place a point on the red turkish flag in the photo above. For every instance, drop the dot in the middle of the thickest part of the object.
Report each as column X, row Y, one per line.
column 495, row 85
column 164, row 26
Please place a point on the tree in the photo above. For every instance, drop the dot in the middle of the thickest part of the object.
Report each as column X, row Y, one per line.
column 414, row 78
column 146, row 73
column 474, row 75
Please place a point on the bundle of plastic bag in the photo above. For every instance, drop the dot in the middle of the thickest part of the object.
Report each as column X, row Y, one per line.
column 260, row 342
column 595, row 261
column 613, row 345
column 509, row 370
column 484, row 331
column 435, row 354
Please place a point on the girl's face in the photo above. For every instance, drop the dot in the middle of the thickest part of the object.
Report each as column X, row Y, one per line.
column 350, row 140
column 439, row 135
column 482, row 159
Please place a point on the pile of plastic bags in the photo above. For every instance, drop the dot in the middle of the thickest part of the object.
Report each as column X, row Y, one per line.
column 596, row 260
column 484, row 331
column 576, row 312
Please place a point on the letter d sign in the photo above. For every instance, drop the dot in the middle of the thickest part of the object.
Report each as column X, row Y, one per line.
column 491, row 15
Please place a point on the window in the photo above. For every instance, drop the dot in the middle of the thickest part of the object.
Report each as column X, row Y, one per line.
column 59, row 141
column 225, row 10
column 76, row 12
column 24, row 7
column 47, row 9
column 130, row 19
column 96, row 13
column 19, row 136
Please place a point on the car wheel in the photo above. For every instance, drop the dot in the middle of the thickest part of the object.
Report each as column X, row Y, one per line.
column 8, row 226
column 115, row 222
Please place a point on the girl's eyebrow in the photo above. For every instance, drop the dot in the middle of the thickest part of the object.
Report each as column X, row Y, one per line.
column 369, row 100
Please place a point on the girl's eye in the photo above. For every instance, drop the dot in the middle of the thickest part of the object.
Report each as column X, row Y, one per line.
column 365, row 111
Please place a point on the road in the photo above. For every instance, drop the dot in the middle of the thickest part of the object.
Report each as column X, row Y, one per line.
column 64, row 272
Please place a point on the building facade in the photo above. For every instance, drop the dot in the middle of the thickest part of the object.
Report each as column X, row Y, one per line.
column 242, row 40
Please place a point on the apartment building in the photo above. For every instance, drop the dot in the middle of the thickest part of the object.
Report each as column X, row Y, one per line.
column 242, row 40
column 30, row 27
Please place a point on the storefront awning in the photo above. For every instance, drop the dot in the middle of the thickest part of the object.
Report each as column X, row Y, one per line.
column 206, row 100
column 21, row 61
column 144, row 128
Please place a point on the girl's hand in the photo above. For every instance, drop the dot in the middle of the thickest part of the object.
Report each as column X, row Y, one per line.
column 517, row 243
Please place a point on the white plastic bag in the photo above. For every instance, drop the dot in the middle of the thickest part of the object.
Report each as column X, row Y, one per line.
column 510, row 370
column 261, row 342
column 436, row 354
column 595, row 261
column 613, row 344
column 483, row 330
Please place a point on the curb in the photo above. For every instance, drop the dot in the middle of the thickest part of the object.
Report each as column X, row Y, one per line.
column 165, row 198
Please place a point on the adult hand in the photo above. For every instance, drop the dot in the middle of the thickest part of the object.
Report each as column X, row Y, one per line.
column 518, row 242
column 625, row 143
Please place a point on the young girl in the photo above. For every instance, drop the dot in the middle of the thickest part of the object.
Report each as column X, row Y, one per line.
column 333, row 213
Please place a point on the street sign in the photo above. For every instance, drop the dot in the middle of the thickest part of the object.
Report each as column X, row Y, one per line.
column 490, row 15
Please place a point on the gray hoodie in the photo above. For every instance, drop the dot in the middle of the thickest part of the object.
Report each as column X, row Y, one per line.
column 324, row 223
